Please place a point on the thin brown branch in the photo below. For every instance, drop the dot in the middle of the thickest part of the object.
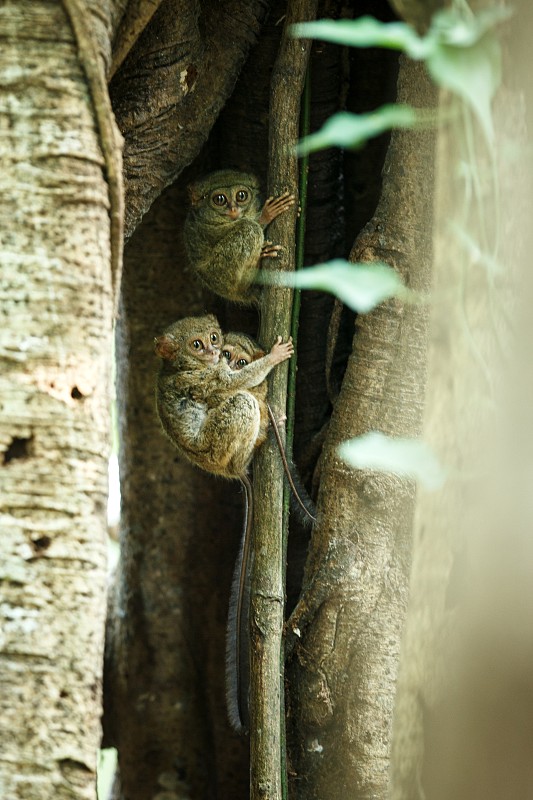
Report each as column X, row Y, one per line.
column 267, row 580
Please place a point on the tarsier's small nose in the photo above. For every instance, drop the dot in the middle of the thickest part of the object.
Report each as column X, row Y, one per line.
column 211, row 348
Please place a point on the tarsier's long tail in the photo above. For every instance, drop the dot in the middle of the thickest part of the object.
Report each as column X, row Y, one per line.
column 300, row 500
column 237, row 633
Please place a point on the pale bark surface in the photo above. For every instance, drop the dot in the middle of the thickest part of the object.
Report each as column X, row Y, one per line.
column 55, row 357
column 342, row 681
column 463, row 719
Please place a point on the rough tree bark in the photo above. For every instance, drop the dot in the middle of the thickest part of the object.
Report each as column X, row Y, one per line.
column 172, row 87
column 55, row 371
column 349, row 619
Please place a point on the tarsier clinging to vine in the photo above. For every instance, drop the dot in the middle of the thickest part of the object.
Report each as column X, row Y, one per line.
column 224, row 232
column 239, row 349
column 212, row 415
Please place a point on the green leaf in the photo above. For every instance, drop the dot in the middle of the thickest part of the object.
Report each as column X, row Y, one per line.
column 456, row 28
column 353, row 130
column 105, row 771
column 365, row 32
column 409, row 458
column 362, row 287
column 461, row 51
column 473, row 73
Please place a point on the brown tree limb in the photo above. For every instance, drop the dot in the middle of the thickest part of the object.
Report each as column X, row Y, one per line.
column 136, row 17
column 110, row 138
column 172, row 86
column 267, row 601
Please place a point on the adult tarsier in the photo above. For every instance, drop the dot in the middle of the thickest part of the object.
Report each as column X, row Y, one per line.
column 224, row 232
column 211, row 414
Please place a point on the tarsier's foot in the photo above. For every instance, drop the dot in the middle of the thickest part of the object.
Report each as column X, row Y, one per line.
column 270, row 250
column 275, row 206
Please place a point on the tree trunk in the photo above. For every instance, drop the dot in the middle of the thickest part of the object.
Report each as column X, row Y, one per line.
column 463, row 722
column 179, row 538
column 55, row 374
column 349, row 620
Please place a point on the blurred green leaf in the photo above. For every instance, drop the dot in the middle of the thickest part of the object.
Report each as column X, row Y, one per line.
column 365, row 32
column 353, row 130
column 362, row 287
column 473, row 73
column 410, row 458
column 452, row 27
column 460, row 49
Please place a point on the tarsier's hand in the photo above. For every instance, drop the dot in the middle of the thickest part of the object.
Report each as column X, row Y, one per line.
column 270, row 250
column 275, row 206
column 282, row 351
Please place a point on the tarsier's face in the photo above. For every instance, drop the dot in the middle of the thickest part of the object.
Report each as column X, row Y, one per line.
column 236, row 358
column 196, row 337
column 231, row 201
column 205, row 346
column 239, row 350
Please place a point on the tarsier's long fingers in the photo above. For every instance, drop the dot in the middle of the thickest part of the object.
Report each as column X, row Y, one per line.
column 275, row 206
column 281, row 351
column 270, row 250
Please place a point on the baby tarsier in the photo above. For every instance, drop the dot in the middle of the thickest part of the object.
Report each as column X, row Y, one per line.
column 239, row 350
column 224, row 232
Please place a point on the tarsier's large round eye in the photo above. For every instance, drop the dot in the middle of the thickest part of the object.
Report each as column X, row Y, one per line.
column 214, row 338
column 227, row 355
column 242, row 196
column 198, row 344
column 242, row 362
column 220, row 199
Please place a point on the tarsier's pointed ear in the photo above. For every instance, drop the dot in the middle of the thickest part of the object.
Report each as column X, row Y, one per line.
column 165, row 347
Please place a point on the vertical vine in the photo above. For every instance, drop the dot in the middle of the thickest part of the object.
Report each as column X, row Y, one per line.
column 267, row 591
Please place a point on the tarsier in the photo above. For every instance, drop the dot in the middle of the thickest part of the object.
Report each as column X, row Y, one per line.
column 239, row 350
column 224, row 232
column 208, row 410
column 212, row 416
